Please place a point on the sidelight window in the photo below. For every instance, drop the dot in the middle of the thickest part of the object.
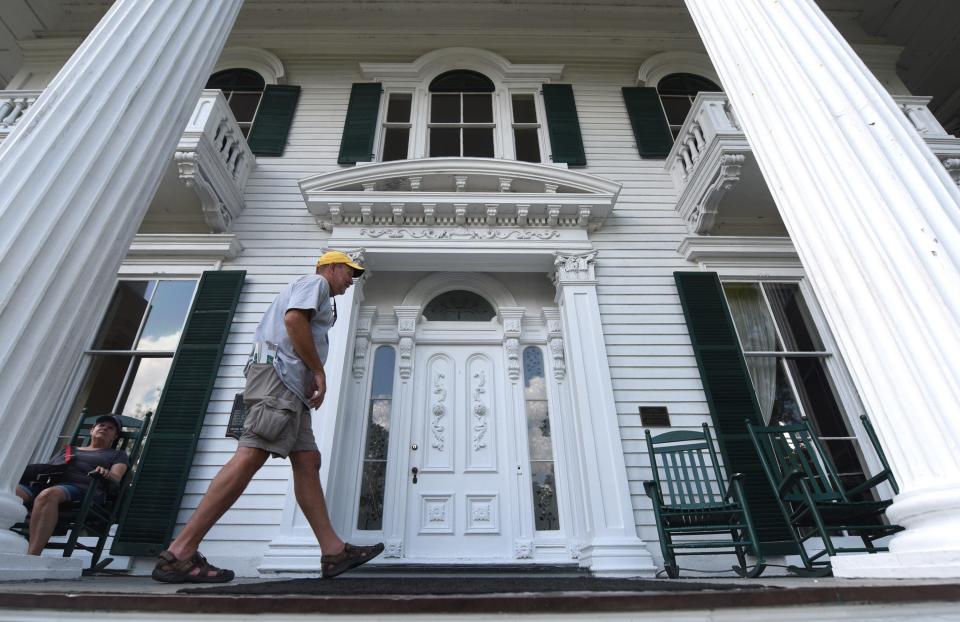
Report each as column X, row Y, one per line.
column 370, row 508
column 540, row 441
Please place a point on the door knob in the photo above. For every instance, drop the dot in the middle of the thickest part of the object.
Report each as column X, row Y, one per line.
column 413, row 447
column 414, row 470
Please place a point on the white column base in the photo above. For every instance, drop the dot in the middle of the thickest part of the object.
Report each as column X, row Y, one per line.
column 34, row 568
column 913, row 565
column 617, row 557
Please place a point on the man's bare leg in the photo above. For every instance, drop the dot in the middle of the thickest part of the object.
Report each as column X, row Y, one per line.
column 306, row 486
column 224, row 490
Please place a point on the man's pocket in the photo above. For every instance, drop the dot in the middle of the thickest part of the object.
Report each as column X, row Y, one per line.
column 270, row 418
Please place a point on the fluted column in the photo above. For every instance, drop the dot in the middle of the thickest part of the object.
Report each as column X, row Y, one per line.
column 76, row 177
column 610, row 546
column 876, row 221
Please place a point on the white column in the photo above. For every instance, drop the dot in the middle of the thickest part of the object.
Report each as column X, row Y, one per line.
column 875, row 220
column 611, row 546
column 76, row 177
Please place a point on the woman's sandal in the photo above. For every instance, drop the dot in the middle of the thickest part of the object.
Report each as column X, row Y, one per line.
column 350, row 557
column 169, row 569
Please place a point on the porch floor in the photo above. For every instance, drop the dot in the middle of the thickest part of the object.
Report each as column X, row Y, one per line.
column 121, row 597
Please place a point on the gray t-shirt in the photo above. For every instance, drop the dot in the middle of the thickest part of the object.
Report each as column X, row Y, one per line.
column 307, row 292
column 85, row 461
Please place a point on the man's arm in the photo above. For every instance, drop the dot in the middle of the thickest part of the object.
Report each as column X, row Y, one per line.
column 297, row 323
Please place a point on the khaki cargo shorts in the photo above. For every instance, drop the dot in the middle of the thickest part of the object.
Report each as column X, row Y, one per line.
column 277, row 420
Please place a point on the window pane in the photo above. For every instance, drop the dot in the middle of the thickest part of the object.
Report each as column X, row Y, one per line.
column 676, row 107
column 122, row 321
column 370, row 510
column 166, row 316
column 383, row 363
column 793, row 317
column 445, row 108
column 546, row 516
column 398, row 109
column 144, row 392
column 244, row 105
column 477, row 108
column 444, row 142
column 478, row 142
column 524, row 110
column 751, row 317
column 395, row 143
column 104, row 381
column 459, row 306
column 538, row 429
column 533, row 376
column 777, row 402
column 816, row 393
column 527, row 142
column 371, row 496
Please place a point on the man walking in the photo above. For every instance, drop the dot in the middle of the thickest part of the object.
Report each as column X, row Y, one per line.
column 285, row 379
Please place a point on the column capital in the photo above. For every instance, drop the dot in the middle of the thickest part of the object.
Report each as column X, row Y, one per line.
column 574, row 268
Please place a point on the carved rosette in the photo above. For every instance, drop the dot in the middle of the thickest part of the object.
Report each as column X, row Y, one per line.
column 573, row 549
column 438, row 410
column 480, row 411
column 523, row 549
column 393, row 549
column 574, row 267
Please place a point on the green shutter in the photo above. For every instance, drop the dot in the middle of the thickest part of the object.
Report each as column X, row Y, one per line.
column 650, row 127
column 268, row 136
column 152, row 506
column 731, row 398
column 360, row 126
column 563, row 124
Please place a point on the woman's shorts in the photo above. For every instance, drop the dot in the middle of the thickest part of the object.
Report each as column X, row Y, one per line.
column 277, row 420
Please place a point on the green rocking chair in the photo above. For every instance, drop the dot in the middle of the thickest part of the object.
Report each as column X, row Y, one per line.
column 95, row 514
column 691, row 499
column 813, row 498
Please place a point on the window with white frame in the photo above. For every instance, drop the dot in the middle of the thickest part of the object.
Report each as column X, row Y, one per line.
column 131, row 354
column 459, row 115
column 677, row 92
column 787, row 361
column 243, row 90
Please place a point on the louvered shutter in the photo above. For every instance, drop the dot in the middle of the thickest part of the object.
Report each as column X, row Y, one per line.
column 150, row 515
column 268, row 136
column 650, row 128
column 563, row 124
column 731, row 398
column 360, row 126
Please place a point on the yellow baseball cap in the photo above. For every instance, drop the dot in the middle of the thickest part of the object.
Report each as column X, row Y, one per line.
column 334, row 257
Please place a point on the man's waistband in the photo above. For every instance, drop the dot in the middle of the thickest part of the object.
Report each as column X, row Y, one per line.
column 263, row 352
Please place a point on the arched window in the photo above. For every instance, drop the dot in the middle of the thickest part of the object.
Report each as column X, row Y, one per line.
column 459, row 306
column 243, row 89
column 461, row 115
column 677, row 92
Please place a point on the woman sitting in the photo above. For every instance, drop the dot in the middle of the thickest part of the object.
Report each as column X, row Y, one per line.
column 97, row 458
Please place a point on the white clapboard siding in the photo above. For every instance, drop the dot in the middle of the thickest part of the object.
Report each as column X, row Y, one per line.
column 650, row 356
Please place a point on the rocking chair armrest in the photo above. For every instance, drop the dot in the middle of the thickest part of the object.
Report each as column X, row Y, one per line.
column 879, row 478
column 790, row 480
column 107, row 484
column 735, row 488
column 653, row 491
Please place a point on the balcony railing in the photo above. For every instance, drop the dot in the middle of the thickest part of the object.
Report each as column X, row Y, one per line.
column 711, row 155
column 212, row 157
column 214, row 160
column 13, row 105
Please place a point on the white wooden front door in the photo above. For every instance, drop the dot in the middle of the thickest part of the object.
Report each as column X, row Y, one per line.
column 460, row 506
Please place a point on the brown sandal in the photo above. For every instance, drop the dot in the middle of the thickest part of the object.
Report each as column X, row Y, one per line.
column 350, row 557
column 169, row 569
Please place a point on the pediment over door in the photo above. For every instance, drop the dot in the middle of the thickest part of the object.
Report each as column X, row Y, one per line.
column 431, row 194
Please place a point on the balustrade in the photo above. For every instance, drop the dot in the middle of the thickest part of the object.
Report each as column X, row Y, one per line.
column 13, row 105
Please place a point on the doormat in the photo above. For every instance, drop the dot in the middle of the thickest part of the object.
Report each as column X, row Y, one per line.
column 435, row 586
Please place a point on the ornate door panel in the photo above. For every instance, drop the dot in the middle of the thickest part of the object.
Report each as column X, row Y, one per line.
column 458, row 507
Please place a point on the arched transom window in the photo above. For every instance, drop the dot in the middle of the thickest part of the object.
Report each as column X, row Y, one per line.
column 461, row 115
column 459, row 306
column 677, row 92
